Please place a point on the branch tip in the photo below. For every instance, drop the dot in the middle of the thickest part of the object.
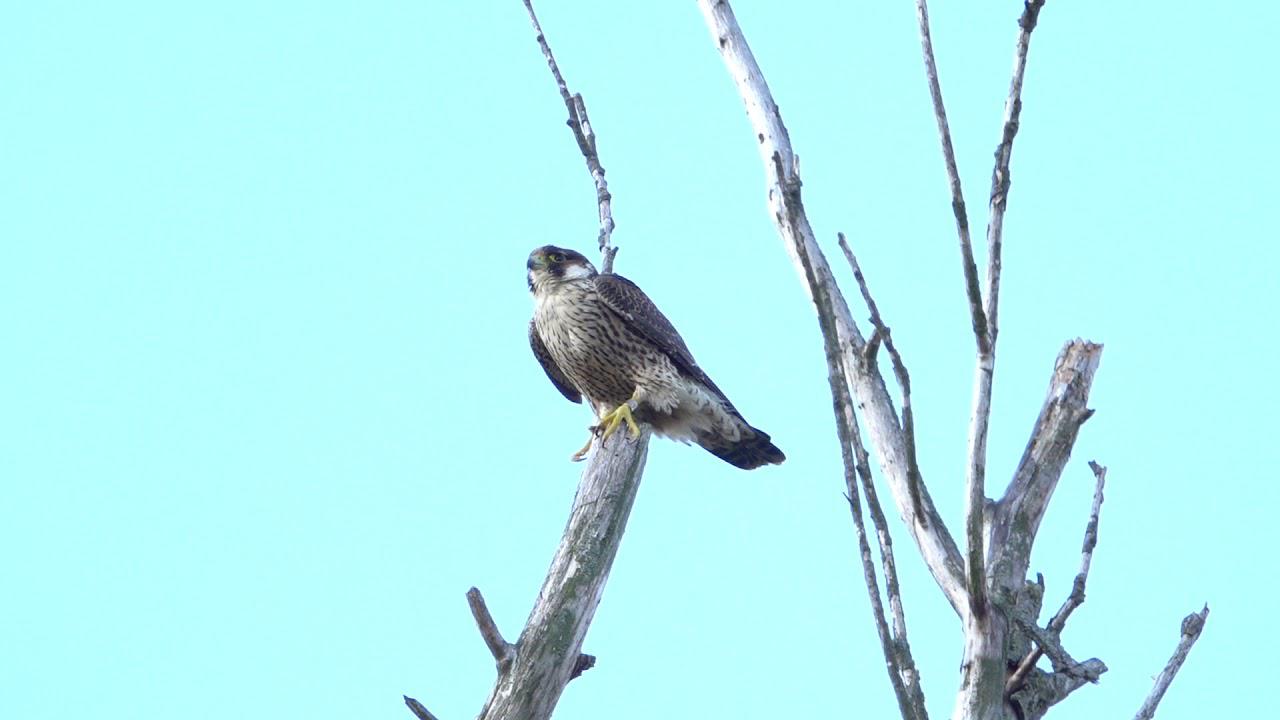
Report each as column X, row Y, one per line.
column 417, row 709
column 502, row 650
column 1192, row 626
column 585, row 137
column 882, row 335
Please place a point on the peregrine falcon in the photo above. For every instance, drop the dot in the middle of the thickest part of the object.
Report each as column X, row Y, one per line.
column 599, row 336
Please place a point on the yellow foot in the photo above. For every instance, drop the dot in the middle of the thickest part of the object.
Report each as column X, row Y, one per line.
column 610, row 421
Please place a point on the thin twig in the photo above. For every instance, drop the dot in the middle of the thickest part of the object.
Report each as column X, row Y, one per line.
column 417, row 709
column 968, row 264
column 1192, row 625
column 586, row 139
column 851, row 442
column 1000, row 179
column 1076, row 598
column 501, row 649
column 882, row 335
column 897, row 654
column 906, row 666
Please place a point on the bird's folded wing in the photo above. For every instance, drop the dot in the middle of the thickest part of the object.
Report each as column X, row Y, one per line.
column 549, row 366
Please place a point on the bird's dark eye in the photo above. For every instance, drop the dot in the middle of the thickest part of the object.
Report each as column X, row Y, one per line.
column 556, row 257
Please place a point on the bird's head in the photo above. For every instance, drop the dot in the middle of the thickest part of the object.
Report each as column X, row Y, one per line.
column 550, row 265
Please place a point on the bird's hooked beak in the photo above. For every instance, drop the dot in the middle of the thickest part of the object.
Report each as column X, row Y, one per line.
column 539, row 269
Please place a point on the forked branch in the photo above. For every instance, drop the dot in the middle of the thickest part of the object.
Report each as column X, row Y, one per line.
column 533, row 672
column 882, row 336
column 984, row 369
column 1018, row 514
column 899, row 647
column 770, row 137
column 897, row 652
column 1076, row 598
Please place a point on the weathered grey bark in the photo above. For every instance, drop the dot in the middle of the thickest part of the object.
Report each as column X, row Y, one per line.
column 546, row 655
column 1076, row 598
column 937, row 547
column 533, row 672
column 987, row 586
column 1015, row 520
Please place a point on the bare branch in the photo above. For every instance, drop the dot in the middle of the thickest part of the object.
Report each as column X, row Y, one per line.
column 975, row 482
column 882, row 334
column 1018, row 514
column 501, row 649
column 417, row 709
column 1076, row 598
column 953, row 179
column 1192, row 625
column 897, row 653
column 586, row 139
column 1000, row 179
column 1061, row 659
column 905, row 662
column 982, row 689
column 1033, row 699
column 984, row 370
column 1014, row 523
column 548, row 654
column 534, row 671
column 787, row 210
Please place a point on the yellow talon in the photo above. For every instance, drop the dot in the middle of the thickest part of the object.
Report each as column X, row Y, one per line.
column 609, row 423
column 612, row 419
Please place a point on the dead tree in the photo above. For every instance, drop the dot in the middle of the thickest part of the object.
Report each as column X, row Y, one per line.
column 985, row 580
column 534, row 670
column 983, row 577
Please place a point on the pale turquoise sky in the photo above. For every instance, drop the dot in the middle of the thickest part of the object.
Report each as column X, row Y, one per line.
column 268, row 407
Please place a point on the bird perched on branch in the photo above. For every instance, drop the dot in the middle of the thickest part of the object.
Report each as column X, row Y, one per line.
column 599, row 336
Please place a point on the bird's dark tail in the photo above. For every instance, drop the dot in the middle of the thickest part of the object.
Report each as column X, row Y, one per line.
column 751, row 451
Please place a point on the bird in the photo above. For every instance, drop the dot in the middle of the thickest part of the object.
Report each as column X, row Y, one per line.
column 598, row 336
